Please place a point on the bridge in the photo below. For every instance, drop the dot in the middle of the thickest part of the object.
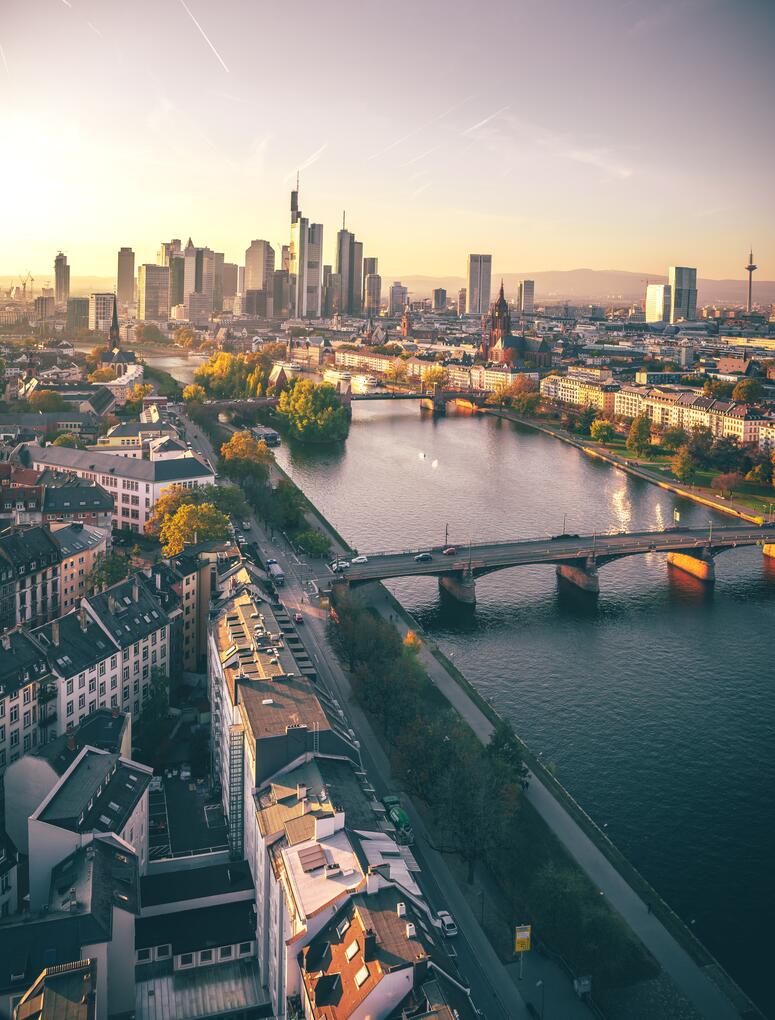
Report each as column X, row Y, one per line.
column 576, row 557
column 435, row 399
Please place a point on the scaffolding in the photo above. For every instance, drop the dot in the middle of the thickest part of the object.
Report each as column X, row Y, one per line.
column 236, row 791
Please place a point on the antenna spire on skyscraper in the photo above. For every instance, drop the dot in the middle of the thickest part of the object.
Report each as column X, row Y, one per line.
column 750, row 269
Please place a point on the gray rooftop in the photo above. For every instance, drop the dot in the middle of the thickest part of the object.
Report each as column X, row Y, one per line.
column 124, row 467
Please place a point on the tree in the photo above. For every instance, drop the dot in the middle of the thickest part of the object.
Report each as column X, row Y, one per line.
column 244, row 456
column 437, row 375
column 313, row 542
column 727, row 482
column 725, row 454
column 149, row 332
column 639, row 438
column 602, row 431
column 718, row 388
column 106, row 374
column 684, row 465
column 585, row 418
column 760, row 474
column 191, row 524
column 186, row 336
column 748, row 391
column 109, row 569
column 314, row 412
column 673, row 438
column 228, row 499
column 154, row 719
column 134, row 401
column 194, row 393
column 46, row 400
column 700, row 443
column 396, row 372
column 68, row 439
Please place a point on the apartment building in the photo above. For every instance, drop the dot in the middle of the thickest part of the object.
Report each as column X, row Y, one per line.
column 23, row 668
column 80, row 547
column 670, row 407
column 135, row 485
column 580, row 391
column 29, row 576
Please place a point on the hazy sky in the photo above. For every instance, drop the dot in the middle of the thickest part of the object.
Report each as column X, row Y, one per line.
column 617, row 134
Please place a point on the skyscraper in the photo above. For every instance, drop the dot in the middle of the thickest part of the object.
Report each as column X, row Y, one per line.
column 78, row 313
column 370, row 268
column 305, row 263
column 461, row 301
column 373, row 295
column 349, row 265
column 525, row 296
column 658, row 302
column 125, row 277
column 61, row 280
column 281, row 294
column 398, row 298
column 153, row 290
column 479, row 285
column 683, row 284
column 439, row 300
column 167, row 250
column 101, row 312
column 230, row 277
column 259, row 266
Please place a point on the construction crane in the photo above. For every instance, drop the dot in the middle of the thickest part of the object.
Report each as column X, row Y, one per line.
column 24, row 280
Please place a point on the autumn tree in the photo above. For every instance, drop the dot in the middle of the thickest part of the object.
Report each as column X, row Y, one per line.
column 194, row 393
column 727, row 482
column 602, row 431
column 46, row 400
column 191, row 524
column 684, row 465
column 639, row 438
column 749, row 391
column 226, row 498
column 106, row 374
column 314, row 412
column 244, row 456
column 437, row 375
column 186, row 336
column 68, row 439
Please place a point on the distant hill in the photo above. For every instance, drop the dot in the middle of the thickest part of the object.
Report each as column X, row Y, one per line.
column 574, row 285
column 597, row 285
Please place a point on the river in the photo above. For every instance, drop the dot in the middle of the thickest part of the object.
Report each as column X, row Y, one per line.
column 655, row 702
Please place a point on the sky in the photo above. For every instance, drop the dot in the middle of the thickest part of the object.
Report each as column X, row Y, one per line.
column 555, row 134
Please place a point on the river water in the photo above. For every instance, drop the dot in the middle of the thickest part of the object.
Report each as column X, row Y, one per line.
column 656, row 702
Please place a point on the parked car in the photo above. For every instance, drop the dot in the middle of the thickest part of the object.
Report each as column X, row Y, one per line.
column 246, row 525
column 448, row 926
column 270, row 561
column 422, row 558
column 449, row 551
column 156, row 784
column 298, row 618
column 185, row 772
column 361, row 559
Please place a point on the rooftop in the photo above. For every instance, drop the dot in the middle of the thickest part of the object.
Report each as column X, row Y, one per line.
column 66, row 992
column 202, row 992
column 321, row 871
column 77, row 538
column 188, row 931
column 215, row 880
column 172, row 470
column 100, row 729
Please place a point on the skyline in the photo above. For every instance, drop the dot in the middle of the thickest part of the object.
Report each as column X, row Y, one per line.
column 442, row 149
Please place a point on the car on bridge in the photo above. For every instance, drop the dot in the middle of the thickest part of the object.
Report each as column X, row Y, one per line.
column 339, row 565
column 424, row 557
column 361, row 559
column 449, row 551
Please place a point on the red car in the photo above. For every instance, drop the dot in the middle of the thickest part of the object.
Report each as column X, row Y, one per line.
column 449, row 551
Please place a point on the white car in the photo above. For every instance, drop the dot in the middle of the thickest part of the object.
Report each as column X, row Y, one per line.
column 361, row 559
column 185, row 775
column 448, row 926
column 156, row 784
column 340, row 565
column 246, row 525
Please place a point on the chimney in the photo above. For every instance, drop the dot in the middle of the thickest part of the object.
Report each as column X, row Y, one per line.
column 82, row 618
column 401, row 909
column 369, row 945
column 301, row 791
column 112, row 605
column 55, row 633
column 135, row 590
column 6, row 640
column 411, row 931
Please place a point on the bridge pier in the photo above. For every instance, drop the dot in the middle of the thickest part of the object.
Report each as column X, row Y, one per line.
column 461, row 587
column 584, row 576
column 698, row 566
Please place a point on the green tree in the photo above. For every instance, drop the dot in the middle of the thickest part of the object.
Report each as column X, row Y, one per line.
column 718, row 388
column 760, row 474
column 639, row 438
column 194, row 393
column 314, row 412
column 684, row 465
column 584, row 420
column 109, row 569
column 313, row 542
column 700, row 443
column 46, row 400
column 602, row 431
column 68, row 439
column 673, row 438
column 191, row 524
column 749, row 391
column 149, row 332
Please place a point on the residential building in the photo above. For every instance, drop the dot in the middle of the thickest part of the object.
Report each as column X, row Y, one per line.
column 125, row 277
column 101, row 312
column 23, row 669
column 80, row 547
column 658, row 302
column 525, row 296
column 135, row 485
column 67, row 991
column 29, row 577
column 683, row 294
column 580, row 391
column 153, row 293
column 479, row 284
column 61, row 281
column 259, row 266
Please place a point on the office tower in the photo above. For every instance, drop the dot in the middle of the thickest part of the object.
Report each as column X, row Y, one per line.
column 177, row 268
column 281, row 294
column 125, row 277
column 305, row 263
column 153, row 293
column 658, row 302
column 750, row 269
column 525, row 296
column 230, row 278
column 259, row 303
column 373, row 296
column 198, row 308
column 461, row 301
column 285, row 258
column 398, row 298
column 240, row 279
column 205, row 274
column 349, row 265
column 218, row 281
column 61, row 280
column 479, row 272
column 101, row 312
column 189, row 270
column 370, row 268
column 259, row 266
column 332, row 292
column 439, row 300
column 44, row 306
column 683, row 284
column 78, row 313
column 167, row 250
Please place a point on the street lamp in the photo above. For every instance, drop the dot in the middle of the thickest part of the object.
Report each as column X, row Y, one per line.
column 540, row 984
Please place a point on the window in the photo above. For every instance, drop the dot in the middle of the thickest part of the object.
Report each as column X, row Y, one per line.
column 206, row 956
column 92, row 684
column 245, row 948
column 102, row 668
column 14, row 738
column 70, row 708
column 69, row 687
column 27, row 719
column 351, row 950
column 226, row 952
column 162, row 952
column 143, row 955
column 186, row 959
column 362, row 976
column 14, row 713
column 82, row 701
column 26, row 741
column 27, row 695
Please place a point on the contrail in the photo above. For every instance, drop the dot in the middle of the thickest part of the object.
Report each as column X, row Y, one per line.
column 5, row 62
column 67, row 3
column 416, row 159
column 204, row 35
column 307, row 162
column 94, row 29
column 422, row 127
column 492, row 116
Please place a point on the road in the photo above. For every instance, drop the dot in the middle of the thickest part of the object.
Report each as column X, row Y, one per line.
column 485, row 557
column 492, row 989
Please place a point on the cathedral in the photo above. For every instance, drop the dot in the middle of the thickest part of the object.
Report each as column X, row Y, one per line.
column 500, row 345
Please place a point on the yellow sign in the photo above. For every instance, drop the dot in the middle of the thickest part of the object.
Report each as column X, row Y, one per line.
column 522, row 938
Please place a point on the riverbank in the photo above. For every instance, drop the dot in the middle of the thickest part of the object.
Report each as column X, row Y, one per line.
column 681, row 955
column 631, row 466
